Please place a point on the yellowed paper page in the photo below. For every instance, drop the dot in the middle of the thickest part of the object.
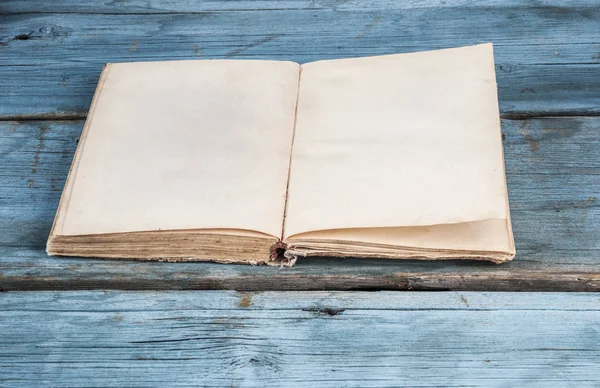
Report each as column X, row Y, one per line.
column 481, row 236
column 397, row 140
column 184, row 145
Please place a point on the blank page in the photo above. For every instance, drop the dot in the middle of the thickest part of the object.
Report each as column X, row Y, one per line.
column 184, row 145
column 397, row 140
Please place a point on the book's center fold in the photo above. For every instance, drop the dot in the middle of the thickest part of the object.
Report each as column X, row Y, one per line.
column 287, row 186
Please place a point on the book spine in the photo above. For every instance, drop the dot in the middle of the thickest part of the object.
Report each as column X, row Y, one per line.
column 281, row 255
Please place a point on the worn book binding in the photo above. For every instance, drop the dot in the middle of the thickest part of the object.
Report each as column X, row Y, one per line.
column 394, row 156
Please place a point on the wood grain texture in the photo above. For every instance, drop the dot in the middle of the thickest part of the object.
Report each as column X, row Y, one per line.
column 313, row 339
column 547, row 52
column 553, row 173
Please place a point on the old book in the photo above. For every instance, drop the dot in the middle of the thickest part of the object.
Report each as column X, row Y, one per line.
column 395, row 156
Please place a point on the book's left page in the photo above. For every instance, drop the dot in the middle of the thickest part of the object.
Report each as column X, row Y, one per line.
column 184, row 145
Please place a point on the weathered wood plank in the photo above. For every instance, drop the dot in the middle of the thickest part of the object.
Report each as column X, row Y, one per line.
column 547, row 53
column 192, row 6
column 315, row 339
column 553, row 173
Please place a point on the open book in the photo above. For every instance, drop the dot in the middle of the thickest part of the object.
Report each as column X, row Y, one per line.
column 395, row 156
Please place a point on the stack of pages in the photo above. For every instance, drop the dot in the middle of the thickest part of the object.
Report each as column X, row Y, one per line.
column 395, row 156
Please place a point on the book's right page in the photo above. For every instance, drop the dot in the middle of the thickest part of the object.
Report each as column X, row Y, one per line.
column 390, row 150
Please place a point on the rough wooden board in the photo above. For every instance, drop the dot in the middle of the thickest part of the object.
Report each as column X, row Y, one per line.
column 553, row 172
column 314, row 339
column 210, row 6
column 547, row 53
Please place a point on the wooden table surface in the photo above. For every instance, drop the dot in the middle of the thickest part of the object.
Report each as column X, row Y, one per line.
column 301, row 339
column 548, row 70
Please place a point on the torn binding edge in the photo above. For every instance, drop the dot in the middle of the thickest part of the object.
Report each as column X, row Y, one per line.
column 283, row 255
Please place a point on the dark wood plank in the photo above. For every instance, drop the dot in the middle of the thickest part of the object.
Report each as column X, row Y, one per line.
column 313, row 339
column 553, row 172
column 548, row 54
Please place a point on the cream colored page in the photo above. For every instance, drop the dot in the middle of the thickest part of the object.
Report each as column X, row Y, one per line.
column 186, row 145
column 398, row 140
column 482, row 236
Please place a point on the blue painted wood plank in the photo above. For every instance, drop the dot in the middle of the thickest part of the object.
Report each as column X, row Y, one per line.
column 553, row 173
column 315, row 339
column 548, row 53
column 550, row 7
